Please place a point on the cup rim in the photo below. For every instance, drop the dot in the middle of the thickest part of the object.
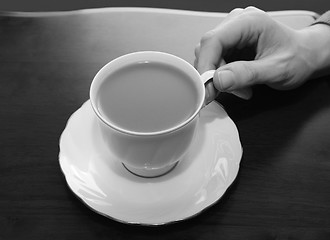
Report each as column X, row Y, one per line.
column 92, row 93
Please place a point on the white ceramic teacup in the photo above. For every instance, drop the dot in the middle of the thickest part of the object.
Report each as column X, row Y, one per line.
column 154, row 153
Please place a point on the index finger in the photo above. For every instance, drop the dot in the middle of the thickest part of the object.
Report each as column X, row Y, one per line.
column 236, row 33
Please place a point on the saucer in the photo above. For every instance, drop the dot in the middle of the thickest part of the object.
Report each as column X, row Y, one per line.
column 197, row 182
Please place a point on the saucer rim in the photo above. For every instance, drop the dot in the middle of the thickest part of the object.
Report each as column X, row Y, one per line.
column 133, row 223
column 137, row 223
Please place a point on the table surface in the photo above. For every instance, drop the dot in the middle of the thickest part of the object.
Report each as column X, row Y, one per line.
column 318, row 6
column 47, row 63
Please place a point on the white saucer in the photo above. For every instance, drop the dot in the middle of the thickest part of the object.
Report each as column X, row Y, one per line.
column 197, row 182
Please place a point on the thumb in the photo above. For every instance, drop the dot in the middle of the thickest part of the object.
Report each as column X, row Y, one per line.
column 238, row 75
column 245, row 93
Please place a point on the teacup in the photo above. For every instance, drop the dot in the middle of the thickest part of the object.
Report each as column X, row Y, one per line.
column 147, row 105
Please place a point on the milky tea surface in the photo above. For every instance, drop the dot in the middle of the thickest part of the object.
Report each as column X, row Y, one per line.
column 147, row 97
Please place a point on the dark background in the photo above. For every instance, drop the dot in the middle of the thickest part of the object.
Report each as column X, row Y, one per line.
column 199, row 5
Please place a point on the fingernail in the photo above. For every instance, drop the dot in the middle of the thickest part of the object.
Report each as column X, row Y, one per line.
column 226, row 79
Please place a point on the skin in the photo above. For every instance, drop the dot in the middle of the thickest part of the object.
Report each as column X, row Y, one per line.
column 284, row 58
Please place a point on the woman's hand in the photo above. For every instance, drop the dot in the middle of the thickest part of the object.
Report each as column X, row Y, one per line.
column 283, row 59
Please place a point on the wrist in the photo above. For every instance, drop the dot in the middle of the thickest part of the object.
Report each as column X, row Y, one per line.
column 315, row 42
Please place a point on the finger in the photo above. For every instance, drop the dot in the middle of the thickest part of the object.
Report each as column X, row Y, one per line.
column 209, row 53
column 244, row 93
column 232, row 14
column 197, row 50
column 195, row 62
column 253, row 9
column 242, row 31
column 242, row 74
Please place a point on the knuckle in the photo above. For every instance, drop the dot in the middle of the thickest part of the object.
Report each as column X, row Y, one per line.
column 287, row 73
column 207, row 37
column 236, row 10
column 254, row 14
column 253, row 9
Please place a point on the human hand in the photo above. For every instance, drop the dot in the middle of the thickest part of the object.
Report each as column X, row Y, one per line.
column 284, row 58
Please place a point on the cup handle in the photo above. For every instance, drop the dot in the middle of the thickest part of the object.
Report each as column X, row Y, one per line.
column 207, row 76
column 212, row 92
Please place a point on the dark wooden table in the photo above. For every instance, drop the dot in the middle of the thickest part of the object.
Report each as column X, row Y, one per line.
column 47, row 63
column 318, row 6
